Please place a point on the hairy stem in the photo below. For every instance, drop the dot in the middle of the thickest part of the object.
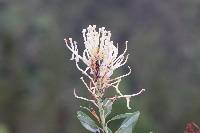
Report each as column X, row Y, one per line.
column 102, row 116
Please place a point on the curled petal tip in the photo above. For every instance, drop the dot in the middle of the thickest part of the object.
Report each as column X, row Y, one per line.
column 84, row 30
column 75, row 92
column 143, row 90
column 65, row 39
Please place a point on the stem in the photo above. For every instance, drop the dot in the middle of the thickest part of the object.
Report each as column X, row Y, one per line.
column 102, row 116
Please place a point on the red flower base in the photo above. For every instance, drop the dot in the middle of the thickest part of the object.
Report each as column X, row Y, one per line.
column 192, row 128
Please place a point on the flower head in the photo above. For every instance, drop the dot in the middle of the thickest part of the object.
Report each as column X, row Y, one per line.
column 101, row 58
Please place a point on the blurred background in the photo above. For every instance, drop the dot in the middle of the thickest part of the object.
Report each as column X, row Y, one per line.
column 37, row 78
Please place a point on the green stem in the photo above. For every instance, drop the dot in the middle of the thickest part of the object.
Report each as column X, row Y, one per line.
column 102, row 117
column 100, row 106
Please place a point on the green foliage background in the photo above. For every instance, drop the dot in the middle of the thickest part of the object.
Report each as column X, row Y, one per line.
column 37, row 78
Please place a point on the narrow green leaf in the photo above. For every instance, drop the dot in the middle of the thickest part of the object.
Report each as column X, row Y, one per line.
column 87, row 122
column 125, row 130
column 129, row 123
column 109, row 130
column 121, row 116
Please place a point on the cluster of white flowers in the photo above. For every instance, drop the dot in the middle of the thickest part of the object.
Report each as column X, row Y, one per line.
column 101, row 58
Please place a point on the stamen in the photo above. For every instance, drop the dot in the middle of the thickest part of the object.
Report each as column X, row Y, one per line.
column 85, row 99
column 128, row 97
column 122, row 75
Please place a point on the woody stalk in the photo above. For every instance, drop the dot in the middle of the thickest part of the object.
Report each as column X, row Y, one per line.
column 101, row 58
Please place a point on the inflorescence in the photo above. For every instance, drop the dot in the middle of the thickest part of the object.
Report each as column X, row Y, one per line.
column 101, row 58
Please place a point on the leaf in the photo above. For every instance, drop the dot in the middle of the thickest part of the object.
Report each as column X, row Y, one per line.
column 109, row 131
column 125, row 130
column 121, row 116
column 107, row 107
column 129, row 123
column 87, row 122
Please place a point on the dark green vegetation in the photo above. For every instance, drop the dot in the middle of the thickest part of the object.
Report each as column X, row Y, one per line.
column 37, row 78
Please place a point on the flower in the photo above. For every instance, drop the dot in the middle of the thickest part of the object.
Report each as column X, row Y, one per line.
column 101, row 58
column 192, row 128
